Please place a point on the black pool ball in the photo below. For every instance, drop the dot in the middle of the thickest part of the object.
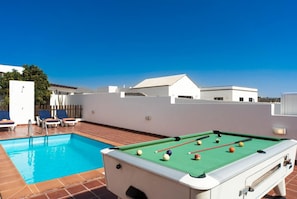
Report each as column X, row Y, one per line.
column 217, row 140
column 169, row 152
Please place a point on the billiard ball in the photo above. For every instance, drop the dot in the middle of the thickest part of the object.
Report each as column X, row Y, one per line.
column 199, row 142
column 241, row 144
column 139, row 152
column 231, row 149
column 169, row 152
column 197, row 156
column 217, row 140
column 166, row 157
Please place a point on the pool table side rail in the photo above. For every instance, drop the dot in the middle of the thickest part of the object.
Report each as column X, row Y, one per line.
column 252, row 136
column 272, row 153
column 173, row 174
column 163, row 140
column 195, row 136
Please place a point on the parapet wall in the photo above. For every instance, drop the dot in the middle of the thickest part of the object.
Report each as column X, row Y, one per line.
column 171, row 117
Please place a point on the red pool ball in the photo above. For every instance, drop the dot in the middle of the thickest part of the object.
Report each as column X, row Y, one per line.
column 197, row 156
column 231, row 149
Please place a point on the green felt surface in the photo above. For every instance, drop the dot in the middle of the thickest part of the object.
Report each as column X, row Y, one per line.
column 210, row 159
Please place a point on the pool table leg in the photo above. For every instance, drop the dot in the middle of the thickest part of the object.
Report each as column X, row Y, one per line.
column 280, row 189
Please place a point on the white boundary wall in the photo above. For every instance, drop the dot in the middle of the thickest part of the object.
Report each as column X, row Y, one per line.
column 171, row 117
column 21, row 104
column 289, row 104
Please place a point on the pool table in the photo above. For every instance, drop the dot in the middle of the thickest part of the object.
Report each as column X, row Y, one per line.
column 205, row 165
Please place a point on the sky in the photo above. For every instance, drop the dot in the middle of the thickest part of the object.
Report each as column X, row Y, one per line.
column 98, row 43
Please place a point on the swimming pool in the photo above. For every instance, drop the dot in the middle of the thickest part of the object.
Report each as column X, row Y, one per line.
column 48, row 157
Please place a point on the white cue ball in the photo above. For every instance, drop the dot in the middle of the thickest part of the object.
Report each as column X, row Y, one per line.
column 139, row 152
column 166, row 157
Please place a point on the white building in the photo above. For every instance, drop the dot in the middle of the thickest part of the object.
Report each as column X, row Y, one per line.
column 229, row 93
column 9, row 68
column 289, row 104
column 179, row 86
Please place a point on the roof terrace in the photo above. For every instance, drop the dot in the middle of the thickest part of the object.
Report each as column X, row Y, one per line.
column 84, row 185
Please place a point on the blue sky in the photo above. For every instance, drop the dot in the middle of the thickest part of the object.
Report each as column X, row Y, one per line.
column 95, row 43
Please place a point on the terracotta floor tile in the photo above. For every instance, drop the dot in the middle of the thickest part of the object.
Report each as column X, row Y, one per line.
column 33, row 188
column 12, row 184
column 51, row 184
column 93, row 184
column 16, row 192
column 76, row 189
column 71, row 179
column 42, row 196
column 57, row 194
column 102, row 181
column 91, row 174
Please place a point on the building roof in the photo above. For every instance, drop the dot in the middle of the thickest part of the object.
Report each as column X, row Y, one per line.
column 62, row 86
column 9, row 68
column 219, row 88
column 159, row 81
column 62, row 89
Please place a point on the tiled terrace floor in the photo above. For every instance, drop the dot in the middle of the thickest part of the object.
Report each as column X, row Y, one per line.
column 88, row 185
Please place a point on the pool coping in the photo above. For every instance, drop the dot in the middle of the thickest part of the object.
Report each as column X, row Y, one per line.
column 12, row 184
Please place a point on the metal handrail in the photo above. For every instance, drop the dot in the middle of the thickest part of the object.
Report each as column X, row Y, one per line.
column 30, row 133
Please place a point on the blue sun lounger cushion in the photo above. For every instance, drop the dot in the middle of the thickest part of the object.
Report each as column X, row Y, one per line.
column 5, row 120
column 65, row 120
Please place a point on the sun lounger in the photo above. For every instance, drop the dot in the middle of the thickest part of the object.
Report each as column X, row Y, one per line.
column 5, row 120
column 64, row 119
column 45, row 118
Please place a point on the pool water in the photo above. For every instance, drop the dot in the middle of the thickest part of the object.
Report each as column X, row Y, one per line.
column 48, row 157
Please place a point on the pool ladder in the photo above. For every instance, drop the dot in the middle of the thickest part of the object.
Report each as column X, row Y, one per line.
column 30, row 132
column 44, row 126
column 46, row 131
column 46, row 134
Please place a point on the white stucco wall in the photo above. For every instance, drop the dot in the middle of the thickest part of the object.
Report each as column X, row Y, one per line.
column 21, row 101
column 184, row 87
column 9, row 68
column 210, row 95
column 289, row 104
column 236, row 94
column 154, row 91
column 171, row 117
column 232, row 93
column 57, row 99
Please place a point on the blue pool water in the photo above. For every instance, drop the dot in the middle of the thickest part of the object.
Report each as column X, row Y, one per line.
column 44, row 158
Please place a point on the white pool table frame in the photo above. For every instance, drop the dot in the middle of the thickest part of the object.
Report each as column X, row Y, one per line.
column 239, row 179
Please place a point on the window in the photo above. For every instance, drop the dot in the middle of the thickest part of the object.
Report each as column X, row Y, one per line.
column 218, row 98
column 241, row 99
column 251, row 99
column 184, row 96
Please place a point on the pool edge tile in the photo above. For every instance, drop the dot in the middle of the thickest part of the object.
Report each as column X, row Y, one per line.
column 76, row 178
column 50, row 184
column 98, row 138
column 17, row 192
